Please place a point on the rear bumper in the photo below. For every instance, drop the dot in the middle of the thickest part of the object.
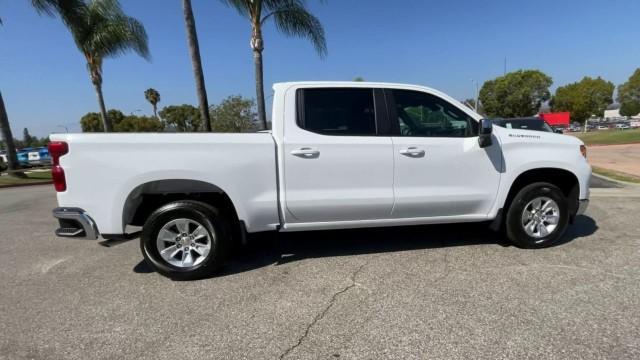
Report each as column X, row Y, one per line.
column 582, row 206
column 75, row 222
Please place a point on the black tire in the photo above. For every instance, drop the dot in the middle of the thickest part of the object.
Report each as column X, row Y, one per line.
column 515, row 230
column 209, row 217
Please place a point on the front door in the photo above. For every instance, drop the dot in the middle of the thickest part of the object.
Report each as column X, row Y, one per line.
column 440, row 170
column 336, row 168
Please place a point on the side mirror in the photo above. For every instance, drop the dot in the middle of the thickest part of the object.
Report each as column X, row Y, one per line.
column 485, row 129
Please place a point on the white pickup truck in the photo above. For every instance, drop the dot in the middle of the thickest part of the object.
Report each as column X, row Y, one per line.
column 340, row 155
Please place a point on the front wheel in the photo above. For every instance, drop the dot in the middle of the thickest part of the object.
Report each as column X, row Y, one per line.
column 185, row 240
column 538, row 216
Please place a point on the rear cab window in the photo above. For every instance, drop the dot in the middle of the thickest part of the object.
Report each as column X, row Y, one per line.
column 337, row 111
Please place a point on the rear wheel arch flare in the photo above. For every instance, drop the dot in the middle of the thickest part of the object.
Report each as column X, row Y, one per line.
column 147, row 197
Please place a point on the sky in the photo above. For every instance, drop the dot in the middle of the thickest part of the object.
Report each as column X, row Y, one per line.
column 441, row 44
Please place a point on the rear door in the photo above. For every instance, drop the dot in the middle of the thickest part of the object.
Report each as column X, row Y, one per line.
column 336, row 167
column 440, row 170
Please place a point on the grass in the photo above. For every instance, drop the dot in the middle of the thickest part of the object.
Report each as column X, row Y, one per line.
column 616, row 175
column 32, row 178
column 610, row 137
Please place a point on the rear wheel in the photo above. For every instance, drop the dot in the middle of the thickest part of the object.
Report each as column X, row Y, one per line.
column 186, row 240
column 538, row 216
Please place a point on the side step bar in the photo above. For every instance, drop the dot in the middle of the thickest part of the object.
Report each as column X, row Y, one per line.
column 74, row 222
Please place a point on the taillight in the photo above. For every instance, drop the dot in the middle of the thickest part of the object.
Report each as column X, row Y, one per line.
column 56, row 150
column 583, row 151
column 59, row 181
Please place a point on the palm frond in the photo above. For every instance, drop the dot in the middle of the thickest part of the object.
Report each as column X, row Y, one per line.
column 243, row 7
column 105, row 30
column 48, row 7
column 293, row 19
column 117, row 36
column 152, row 95
column 70, row 11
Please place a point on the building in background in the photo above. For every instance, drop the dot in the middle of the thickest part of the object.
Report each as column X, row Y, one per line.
column 613, row 115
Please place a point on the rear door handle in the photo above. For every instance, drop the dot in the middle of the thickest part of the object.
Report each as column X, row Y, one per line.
column 306, row 152
column 412, row 151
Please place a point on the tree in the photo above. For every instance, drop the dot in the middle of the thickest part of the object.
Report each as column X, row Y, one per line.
column 629, row 95
column 234, row 114
column 27, row 139
column 92, row 122
column 102, row 30
column 134, row 123
column 291, row 18
column 358, row 79
column 196, row 62
column 515, row 94
column 7, row 137
column 67, row 7
column 153, row 97
column 182, row 118
column 584, row 98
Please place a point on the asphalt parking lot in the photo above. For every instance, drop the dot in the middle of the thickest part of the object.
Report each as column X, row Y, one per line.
column 437, row 292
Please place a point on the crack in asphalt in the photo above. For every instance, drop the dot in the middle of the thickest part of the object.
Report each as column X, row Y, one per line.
column 447, row 268
column 324, row 311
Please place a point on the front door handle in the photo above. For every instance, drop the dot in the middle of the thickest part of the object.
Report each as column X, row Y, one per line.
column 306, row 153
column 412, row 151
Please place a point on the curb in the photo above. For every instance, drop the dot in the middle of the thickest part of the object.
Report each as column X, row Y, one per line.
column 623, row 183
column 23, row 185
column 624, row 143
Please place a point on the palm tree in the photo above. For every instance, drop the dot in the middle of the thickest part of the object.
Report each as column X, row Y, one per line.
column 102, row 30
column 43, row 6
column 291, row 18
column 153, row 96
column 196, row 63
column 7, row 136
column 67, row 9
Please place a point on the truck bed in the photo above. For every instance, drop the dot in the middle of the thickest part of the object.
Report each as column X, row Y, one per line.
column 102, row 171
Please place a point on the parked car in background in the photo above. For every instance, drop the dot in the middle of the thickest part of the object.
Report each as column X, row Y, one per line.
column 529, row 123
column 622, row 126
column 603, row 127
column 340, row 155
column 34, row 156
column 3, row 164
column 23, row 157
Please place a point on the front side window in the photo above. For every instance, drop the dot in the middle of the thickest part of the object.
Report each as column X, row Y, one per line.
column 426, row 115
column 337, row 111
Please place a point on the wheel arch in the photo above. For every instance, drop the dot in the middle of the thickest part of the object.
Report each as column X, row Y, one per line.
column 564, row 179
column 146, row 197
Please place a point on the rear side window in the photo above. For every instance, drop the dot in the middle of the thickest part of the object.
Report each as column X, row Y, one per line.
column 337, row 111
